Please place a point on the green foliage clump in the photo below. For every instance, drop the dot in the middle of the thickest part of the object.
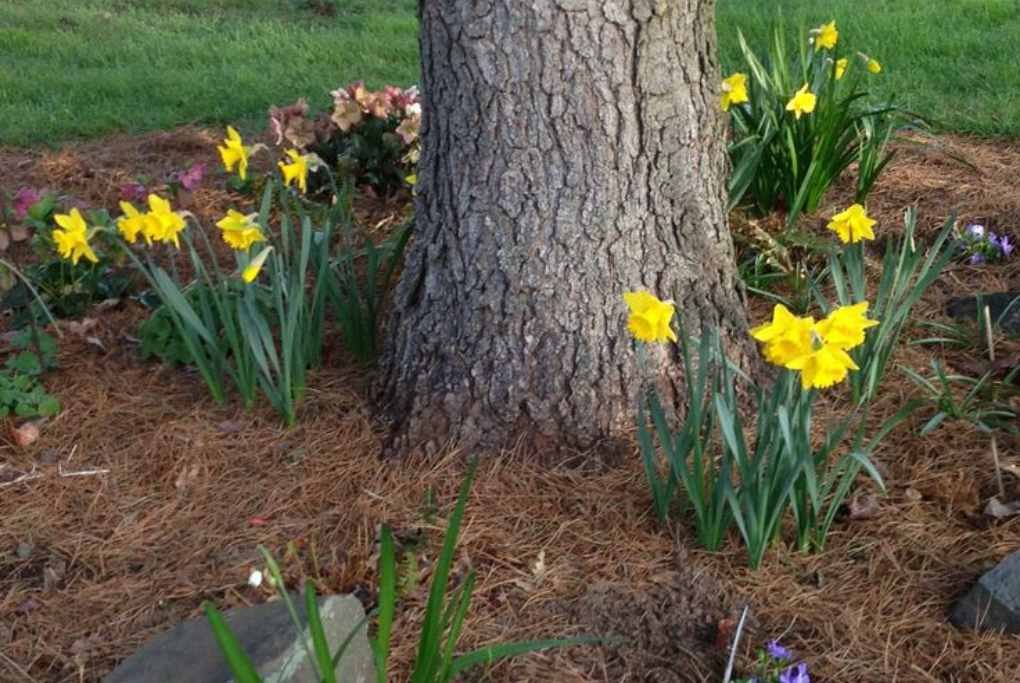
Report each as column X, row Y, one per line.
column 786, row 157
column 21, row 391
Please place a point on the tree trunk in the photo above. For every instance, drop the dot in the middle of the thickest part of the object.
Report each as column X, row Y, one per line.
column 572, row 150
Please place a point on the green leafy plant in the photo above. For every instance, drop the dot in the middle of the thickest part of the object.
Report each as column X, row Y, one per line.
column 21, row 391
column 361, row 274
column 691, row 464
column 958, row 397
column 371, row 136
column 785, row 161
column 445, row 612
column 160, row 338
column 59, row 287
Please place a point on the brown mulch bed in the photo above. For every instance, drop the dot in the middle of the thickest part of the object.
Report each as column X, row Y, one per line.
column 176, row 493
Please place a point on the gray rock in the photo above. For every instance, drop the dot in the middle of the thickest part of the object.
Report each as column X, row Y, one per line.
column 994, row 601
column 267, row 634
column 1004, row 308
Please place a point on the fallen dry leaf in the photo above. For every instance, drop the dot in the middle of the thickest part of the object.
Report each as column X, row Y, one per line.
column 230, row 427
column 724, row 632
column 82, row 327
column 53, row 574
column 865, row 506
column 187, row 476
column 25, row 435
column 913, row 495
column 106, row 304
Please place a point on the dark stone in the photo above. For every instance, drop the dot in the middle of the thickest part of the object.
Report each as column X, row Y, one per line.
column 269, row 637
column 966, row 307
column 994, row 601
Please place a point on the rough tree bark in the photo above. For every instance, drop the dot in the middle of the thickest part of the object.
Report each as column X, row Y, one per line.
column 572, row 150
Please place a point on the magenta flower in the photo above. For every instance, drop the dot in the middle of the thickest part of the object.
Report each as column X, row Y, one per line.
column 25, row 199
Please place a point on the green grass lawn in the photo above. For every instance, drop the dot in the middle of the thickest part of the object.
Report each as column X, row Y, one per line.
column 81, row 68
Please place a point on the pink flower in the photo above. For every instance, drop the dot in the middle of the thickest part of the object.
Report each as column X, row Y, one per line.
column 133, row 192
column 24, row 200
column 290, row 123
column 408, row 129
column 192, row 178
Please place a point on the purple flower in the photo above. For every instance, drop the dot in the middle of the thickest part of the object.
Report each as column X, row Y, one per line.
column 24, row 200
column 977, row 259
column 797, row 673
column 777, row 651
column 976, row 230
column 1005, row 246
column 192, row 178
column 132, row 192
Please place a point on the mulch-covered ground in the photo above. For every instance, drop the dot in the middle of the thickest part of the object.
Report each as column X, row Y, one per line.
column 143, row 498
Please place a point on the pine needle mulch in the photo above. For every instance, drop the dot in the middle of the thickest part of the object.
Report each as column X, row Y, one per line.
column 143, row 498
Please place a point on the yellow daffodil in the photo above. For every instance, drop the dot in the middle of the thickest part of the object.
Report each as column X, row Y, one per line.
column 826, row 36
column 823, row 367
column 297, row 170
column 163, row 224
column 239, row 230
column 72, row 238
column 874, row 67
column 786, row 337
column 233, row 152
column 803, row 102
column 841, row 65
column 845, row 326
column 817, row 350
column 252, row 270
column 131, row 224
column 650, row 318
column 734, row 91
column 853, row 225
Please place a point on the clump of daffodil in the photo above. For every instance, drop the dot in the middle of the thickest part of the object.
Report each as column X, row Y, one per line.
column 650, row 318
column 234, row 153
column 803, row 102
column 734, row 91
column 72, row 237
column 162, row 223
column 252, row 270
column 817, row 349
column 240, row 231
column 297, row 170
column 826, row 36
column 841, row 64
column 853, row 225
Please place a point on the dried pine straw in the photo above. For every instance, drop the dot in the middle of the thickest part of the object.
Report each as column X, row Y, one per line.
column 108, row 560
